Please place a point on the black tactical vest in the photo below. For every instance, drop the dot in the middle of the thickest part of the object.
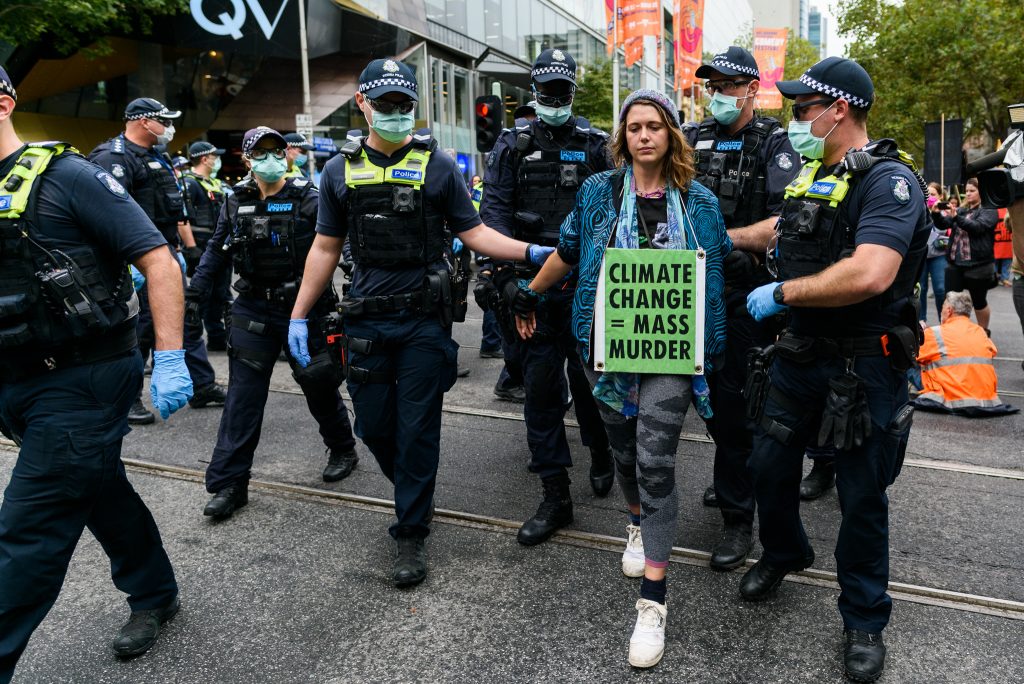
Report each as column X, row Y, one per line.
column 547, row 179
column 52, row 298
column 268, row 243
column 736, row 170
column 158, row 193
column 204, row 214
column 391, row 225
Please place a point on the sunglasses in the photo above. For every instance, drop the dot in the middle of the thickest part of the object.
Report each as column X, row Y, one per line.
column 260, row 153
column 723, row 84
column 388, row 107
column 799, row 107
column 160, row 120
column 554, row 100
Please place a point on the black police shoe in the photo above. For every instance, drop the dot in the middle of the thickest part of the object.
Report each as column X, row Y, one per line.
column 555, row 511
column 732, row 547
column 602, row 471
column 492, row 354
column 821, row 479
column 710, row 498
column 411, row 561
column 340, row 464
column 217, row 345
column 516, row 394
column 227, row 501
column 761, row 581
column 138, row 414
column 140, row 632
column 863, row 656
column 208, row 395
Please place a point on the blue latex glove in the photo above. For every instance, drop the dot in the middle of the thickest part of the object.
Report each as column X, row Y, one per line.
column 761, row 302
column 456, row 246
column 138, row 280
column 171, row 386
column 537, row 255
column 181, row 261
column 298, row 341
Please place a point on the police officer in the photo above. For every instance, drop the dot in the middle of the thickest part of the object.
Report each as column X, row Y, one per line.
column 130, row 158
column 298, row 155
column 266, row 229
column 747, row 161
column 69, row 369
column 204, row 195
column 530, row 186
column 849, row 249
column 393, row 194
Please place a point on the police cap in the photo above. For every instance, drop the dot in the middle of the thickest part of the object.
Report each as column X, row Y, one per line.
column 148, row 108
column 254, row 135
column 835, row 77
column 382, row 76
column 298, row 140
column 203, row 148
column 735, row 61
column 7, row 85
column 554, row 65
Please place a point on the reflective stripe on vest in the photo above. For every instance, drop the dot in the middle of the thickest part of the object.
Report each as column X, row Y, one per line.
column 412, row 170
column 957, row 381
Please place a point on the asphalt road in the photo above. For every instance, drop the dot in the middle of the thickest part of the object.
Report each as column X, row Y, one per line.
column 295, row 588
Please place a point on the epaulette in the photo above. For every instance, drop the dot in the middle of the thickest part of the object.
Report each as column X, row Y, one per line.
column 424, row 139
column 117, row 145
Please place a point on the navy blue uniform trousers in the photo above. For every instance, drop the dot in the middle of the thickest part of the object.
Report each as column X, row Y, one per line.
column 399, row 419
column 862, row 476
column 251, row 359
column 547, row 358
column 214, row 308
column 69, row 477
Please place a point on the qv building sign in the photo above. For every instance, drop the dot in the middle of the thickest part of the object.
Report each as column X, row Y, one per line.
column 231, row 23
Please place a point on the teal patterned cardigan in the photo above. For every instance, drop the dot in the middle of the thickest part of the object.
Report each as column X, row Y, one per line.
column 585, row 233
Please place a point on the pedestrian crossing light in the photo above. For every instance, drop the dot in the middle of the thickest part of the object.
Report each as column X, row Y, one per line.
column 490, row 119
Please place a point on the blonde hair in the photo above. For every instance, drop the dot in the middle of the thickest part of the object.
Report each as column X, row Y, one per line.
column 678, row 165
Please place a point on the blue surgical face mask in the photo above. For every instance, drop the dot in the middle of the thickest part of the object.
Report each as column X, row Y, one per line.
column 301, row 160
column 725, row 109
column 554, row 116
column 270, row 169
column 215, row 167
column 805, row 142
column 394, row 127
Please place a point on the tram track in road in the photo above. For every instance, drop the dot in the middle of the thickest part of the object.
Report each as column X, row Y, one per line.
column 924, row 595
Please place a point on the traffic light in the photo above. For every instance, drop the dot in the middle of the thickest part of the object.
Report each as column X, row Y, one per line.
column 490, row 119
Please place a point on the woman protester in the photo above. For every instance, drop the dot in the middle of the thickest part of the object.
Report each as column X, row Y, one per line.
column 649, row 203
column 935, row 258
column 971, row 261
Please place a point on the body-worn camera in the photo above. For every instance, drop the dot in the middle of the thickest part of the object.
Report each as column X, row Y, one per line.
column 1002, row 187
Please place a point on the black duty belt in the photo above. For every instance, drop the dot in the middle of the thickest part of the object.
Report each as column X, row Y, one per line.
column 420, row 301
column 806, row 349
column 110, row 346
column 284, row 292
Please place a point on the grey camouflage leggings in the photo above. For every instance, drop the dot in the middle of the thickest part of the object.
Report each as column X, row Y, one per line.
column 645, row 456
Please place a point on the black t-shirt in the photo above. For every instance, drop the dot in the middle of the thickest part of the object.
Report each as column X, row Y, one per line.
column 651, row 219
column 886, row 207
column 444, row 188
column 77, row 203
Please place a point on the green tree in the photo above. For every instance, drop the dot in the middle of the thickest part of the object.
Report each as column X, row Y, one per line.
column 594, row 95
column 958, row 58
column 67, row 25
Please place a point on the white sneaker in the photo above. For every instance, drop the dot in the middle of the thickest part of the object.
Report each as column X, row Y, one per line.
column 633, row 556
column 647, row 644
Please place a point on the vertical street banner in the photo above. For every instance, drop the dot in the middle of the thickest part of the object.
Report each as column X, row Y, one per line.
column 613, row 31
column 649, row 312
column 634, row 51
column 688, row 33
column 640, row 18
column 770, row 54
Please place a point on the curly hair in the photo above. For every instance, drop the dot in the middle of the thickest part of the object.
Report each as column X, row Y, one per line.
column 679, row 168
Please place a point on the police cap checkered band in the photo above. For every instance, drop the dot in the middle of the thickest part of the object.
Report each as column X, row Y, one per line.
column 148, row 108
column 397, row 81
column 733, row 62
column 717, row 62
column 554, row 64
column 254, row 135
column 835, row 77
column 6, row 86
column 832, row 91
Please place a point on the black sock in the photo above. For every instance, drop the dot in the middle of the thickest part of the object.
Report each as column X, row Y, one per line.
column 654, row 590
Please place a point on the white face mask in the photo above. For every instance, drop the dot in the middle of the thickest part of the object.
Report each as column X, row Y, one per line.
column 166, row 137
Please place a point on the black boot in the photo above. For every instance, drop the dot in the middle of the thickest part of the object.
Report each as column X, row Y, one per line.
column 733, row 546
column 821, row 479
column 340, row 464
column 227, row 501
column 710, row 498
column 602, row 471
column 864, row 656
column 138, row 414
column 411, row 561
column 140, row 632
column 208, row 395
column 761, row 581
column 555, row 511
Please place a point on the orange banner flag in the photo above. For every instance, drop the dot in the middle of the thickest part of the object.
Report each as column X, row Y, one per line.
column 687, row 24
column 770, row 54
column 634, row 51
column 612, row 40
column 640, row 18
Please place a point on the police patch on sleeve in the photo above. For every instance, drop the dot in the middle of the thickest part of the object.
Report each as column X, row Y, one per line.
column 117, row 170
column 491, row 158
column 111, row 184
column 900, row 187
column 784, row 160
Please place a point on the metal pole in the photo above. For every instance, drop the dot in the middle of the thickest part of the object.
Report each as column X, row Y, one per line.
column 615, row 61
column 661, row 46
column 942, row 150
column 692, row 96
column 307, row 106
